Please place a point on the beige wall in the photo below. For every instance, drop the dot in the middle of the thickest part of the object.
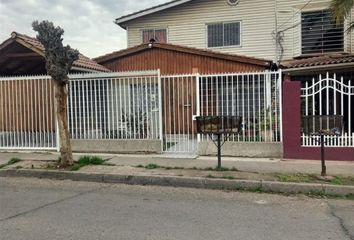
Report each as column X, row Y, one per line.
column 186, row 25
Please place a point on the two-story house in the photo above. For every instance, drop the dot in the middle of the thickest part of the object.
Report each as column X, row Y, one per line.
column 299, row 36
column 295, row 34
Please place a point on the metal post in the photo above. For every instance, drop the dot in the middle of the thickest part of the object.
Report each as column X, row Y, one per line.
column 323, row 172
column 159, row 84
column 219, row 150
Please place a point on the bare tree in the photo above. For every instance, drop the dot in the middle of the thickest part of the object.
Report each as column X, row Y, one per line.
column 59, row 60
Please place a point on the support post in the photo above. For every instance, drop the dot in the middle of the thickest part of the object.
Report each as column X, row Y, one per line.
column 219, row 151
column 323, row 163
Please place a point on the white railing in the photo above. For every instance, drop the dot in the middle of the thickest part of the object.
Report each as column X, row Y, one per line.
column 256, row 97
column 27, row 113
column 139, row 105
column 114, row 106
column 329, row 96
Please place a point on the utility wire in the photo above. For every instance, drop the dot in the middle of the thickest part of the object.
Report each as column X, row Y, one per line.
column 295, row 14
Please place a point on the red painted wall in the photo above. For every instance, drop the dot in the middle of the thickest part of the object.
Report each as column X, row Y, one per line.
column 291, row 130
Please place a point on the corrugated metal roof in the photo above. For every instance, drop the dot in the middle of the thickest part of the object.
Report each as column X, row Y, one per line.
column 32, row 43
column 328, row 59
column 178, row 48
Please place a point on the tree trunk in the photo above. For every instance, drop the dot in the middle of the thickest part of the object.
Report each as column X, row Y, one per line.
column 61, row 96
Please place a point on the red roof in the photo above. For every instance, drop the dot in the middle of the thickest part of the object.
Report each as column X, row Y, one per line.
column 328, row 59
column 32, row 43
column 178, row 48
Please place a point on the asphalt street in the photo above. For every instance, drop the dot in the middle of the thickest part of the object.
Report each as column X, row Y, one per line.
column 44, row 209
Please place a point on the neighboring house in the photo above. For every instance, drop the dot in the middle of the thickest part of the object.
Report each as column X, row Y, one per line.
column 24, row 55
column 305, row 28
column 175, row 59
column 300, row 36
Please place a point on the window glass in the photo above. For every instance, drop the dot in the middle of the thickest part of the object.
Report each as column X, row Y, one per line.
column 224, row 34
column 159, row 35
column 320, row 33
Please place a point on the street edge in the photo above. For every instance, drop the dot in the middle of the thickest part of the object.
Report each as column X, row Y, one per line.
column 189, row 182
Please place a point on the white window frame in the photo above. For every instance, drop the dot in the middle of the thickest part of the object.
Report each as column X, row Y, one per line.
column 220, row 47
column 154, row 28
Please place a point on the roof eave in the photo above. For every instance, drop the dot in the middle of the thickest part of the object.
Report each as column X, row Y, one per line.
column 302, row 70
column 143, row 47
column 120, row 21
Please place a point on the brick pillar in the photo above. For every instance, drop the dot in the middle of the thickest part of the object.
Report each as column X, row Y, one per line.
column 291, row 118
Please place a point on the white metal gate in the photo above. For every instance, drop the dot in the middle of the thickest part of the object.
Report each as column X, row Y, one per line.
column 27, row 113
column 256, row 97
column 179, row 98
column 330, row 95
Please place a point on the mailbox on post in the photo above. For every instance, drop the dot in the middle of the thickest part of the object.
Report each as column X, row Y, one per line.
column 218, row 126
column 323, row 125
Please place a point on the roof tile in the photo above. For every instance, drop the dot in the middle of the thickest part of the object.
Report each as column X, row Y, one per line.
column 82, row 62
column 322, row 60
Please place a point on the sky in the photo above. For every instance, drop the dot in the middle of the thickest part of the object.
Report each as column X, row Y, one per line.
column 88, row 24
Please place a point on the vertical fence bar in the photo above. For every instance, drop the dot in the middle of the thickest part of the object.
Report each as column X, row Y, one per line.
column 198, row 92
column 160, row 107
column 2, row 105
column 349, row 108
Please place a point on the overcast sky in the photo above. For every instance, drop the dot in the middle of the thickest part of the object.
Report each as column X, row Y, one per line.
column 88, row 24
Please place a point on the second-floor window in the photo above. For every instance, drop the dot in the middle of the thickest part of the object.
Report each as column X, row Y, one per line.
column 159, row 35
column 320, row 33
column 224, row 34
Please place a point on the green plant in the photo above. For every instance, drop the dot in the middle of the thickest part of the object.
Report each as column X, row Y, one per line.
column 13, row 161
column 152, row 166
column 228, row 177
column 337, row 180
column 295, row 177
column 10, row 162
column 209, row 176
column 87, row 160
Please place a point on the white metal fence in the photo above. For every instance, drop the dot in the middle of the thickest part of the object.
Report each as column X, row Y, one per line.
column 139, row 105
column 114, row 106
column 330, row 95
column 27, row 113
column 256, row 97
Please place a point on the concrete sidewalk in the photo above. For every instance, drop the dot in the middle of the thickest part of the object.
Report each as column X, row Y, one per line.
column 259, row 165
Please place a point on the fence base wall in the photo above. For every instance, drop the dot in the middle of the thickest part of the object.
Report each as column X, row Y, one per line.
column 117, row 146
column 242, row 149
column 292, row 133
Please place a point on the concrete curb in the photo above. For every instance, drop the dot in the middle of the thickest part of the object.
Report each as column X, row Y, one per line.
column 189, row 182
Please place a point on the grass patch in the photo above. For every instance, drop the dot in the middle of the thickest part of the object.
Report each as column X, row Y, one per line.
column 10, row 162
column 155, row 166
column 308, row 178
column 87, row 160
column 228, row 177
column 339, row 180
column 152, row 166
column 210, row 176
column 222, row 169
column 295, row 177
